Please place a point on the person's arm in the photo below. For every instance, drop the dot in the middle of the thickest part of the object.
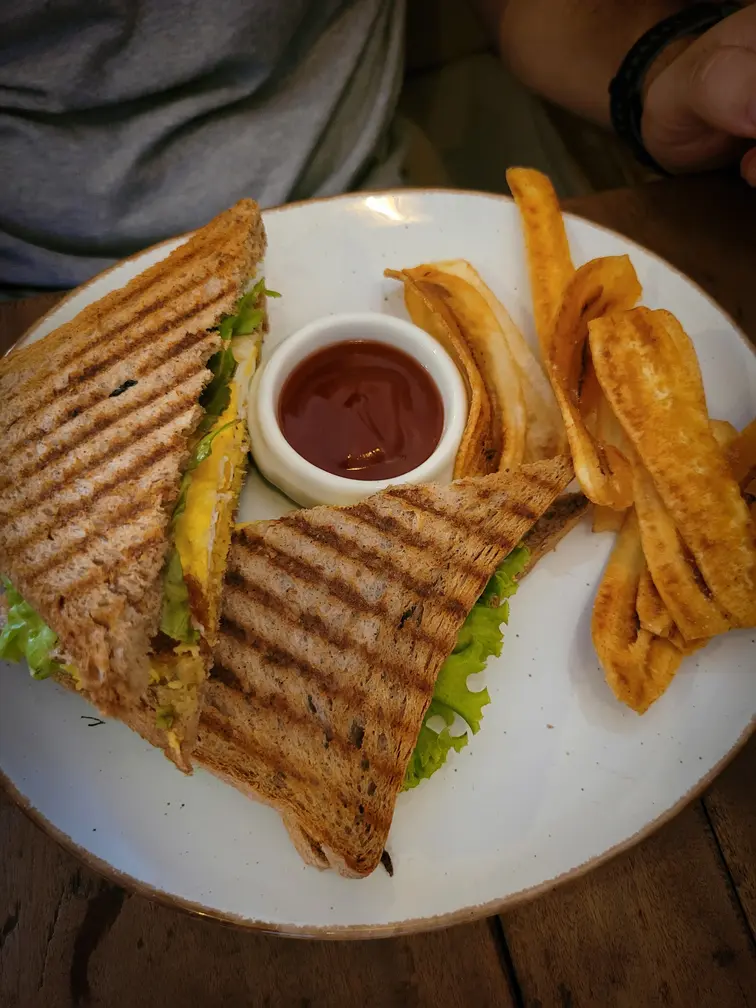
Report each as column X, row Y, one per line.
column 569, row 50
column 700, row 94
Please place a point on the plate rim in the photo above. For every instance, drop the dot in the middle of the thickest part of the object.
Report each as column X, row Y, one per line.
column 407, row 926
column 357, row 932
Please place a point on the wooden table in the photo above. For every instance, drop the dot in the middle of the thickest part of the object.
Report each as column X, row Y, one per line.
column 672, row 923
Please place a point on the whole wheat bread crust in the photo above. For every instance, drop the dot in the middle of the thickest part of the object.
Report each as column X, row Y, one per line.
column 335, row 624
column 553, row 526
column 91, row 465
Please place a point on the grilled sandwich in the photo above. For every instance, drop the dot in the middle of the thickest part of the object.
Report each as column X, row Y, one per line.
column 124, row 447
column 342, row 630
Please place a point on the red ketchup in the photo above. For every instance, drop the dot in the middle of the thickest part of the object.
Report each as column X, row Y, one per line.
column 361, row 409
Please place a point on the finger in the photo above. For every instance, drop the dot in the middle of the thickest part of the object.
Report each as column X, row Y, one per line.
column 748, row 166
column 723, row 90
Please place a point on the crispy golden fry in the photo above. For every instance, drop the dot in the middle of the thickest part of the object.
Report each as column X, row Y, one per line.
column 545, row 435
column 590, row 392
column 597, row 288
column 651, row 378
column 606, row 519
column 741, row 454
column 488, row 345
column 724, row 432
column 687, row 647
column 457, row 314
column 608, row 431
column 673, row 569
column 548, row 251
column 476, row 450
column 653, row 615
column 638, row 665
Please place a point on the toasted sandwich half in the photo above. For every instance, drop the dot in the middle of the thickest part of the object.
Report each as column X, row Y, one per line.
column 124, row 448
column 343, row 629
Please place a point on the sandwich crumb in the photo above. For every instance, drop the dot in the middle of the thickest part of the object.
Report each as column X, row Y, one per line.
column 386, row 862
column 129, row 383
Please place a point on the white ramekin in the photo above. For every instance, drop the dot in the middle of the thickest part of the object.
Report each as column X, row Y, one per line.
column 304, row 482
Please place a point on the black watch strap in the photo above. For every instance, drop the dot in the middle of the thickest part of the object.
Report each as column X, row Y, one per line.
column 625, row 101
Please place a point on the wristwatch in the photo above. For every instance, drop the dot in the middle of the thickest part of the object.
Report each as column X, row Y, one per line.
column 625, row 90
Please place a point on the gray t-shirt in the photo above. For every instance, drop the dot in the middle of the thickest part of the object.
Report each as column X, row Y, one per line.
column 123, row 122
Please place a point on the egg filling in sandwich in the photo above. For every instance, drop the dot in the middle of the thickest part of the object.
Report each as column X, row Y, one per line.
column 124, row 453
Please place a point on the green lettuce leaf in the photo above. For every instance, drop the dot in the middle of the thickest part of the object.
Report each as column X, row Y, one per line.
column 175, row 616
column 480, row 637
column 26, row 635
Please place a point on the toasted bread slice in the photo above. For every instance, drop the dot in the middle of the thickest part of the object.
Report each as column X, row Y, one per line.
column 95, row 421
column 334, row 626
column 553, row 526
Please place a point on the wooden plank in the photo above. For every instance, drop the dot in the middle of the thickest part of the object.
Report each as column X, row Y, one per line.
column 17, row 316
column 69, row 938
column 703, row 225
column 731, row 806
column 657, row 926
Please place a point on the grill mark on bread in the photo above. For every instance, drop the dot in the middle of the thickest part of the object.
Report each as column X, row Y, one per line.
column 98, row 576
column 150, row 366
column 301, row 570
column 270, row 770
column 221, row 727
column 316, row 626
column 145, row 309
column 100, row 426
column 325, row 536
column 77, row 506
column 95, row 395
column 274, row 654
column 533, row 478
column 279, row 703
column 388, row 525
column 112, row 450
column 227, row 676
column 467, row 525
column 125, row 513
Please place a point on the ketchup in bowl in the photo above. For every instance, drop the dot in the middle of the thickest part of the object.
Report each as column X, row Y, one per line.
column 361, row 409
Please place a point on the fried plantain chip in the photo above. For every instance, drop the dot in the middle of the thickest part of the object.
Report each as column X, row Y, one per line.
column 599, row 287
column 725, row 432
column 607, row 430
column 741, row 454
column 672, row 566
column 653, row 614
column 647, row 367
column 638, row 665
column 471, row 331
column 476, row 450
column 548, row 251
column 545, row 435
column 589, row 392
column 488, row 345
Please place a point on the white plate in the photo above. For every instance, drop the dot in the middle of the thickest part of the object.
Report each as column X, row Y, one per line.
column 560, row 773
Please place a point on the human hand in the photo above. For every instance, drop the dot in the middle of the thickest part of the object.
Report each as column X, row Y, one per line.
column 700, row 104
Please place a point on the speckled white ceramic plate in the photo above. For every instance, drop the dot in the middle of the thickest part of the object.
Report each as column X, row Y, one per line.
column 560, row 774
